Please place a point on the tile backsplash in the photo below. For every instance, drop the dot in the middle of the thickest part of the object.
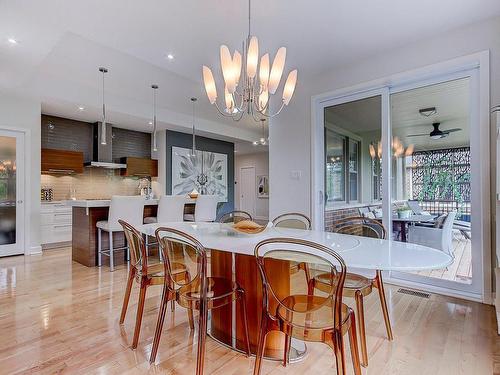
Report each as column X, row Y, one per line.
column 92, row 184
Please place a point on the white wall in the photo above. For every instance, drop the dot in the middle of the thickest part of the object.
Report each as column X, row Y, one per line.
column 22, row 113
column 261, row 163
column 290, row 132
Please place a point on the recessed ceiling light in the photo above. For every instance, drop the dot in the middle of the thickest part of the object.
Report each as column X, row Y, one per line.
column 81, row 108
column 12, row 41
column 170, row 56
column 151, row 123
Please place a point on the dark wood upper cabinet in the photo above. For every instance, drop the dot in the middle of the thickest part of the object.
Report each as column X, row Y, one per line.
column 61, row 161
column 139, row 167
column 64, row 134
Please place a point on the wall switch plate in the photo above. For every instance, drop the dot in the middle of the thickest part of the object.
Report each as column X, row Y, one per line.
column 295, row 175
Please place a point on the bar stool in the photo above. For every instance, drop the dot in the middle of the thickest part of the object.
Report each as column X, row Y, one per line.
column 170, row 209
column 129, row 208
column 205, row 209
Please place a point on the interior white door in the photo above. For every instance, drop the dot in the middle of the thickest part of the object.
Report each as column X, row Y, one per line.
column 11, row 192
column 248, row 190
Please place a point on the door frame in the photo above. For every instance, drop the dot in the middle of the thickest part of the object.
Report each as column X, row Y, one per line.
column 478, row 61
column 254, row 213
column 22, row 223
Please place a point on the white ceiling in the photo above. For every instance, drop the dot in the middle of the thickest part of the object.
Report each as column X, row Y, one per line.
column 62, row 43
column 451, row 100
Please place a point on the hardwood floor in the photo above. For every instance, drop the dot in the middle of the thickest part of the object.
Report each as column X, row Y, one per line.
column 57, row 316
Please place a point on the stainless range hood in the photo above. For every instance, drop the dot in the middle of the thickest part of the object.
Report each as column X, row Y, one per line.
column 102, row 155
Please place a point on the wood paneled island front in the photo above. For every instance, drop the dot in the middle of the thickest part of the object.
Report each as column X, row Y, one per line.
column 86, row 213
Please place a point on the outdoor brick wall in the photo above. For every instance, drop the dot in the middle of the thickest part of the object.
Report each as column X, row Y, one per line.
column 333, row 216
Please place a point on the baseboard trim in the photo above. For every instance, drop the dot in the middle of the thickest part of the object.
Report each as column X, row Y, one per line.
column 436, row 290
column 35, row 250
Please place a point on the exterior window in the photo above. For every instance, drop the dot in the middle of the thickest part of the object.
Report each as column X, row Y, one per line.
column 342, row 168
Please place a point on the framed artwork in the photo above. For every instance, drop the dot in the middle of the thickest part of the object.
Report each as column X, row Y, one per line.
column 263, row 186
column 206, row 172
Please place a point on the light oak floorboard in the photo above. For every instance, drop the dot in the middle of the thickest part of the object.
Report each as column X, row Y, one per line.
column 59, row 317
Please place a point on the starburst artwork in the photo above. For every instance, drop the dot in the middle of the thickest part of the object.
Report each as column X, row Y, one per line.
column 206, row 172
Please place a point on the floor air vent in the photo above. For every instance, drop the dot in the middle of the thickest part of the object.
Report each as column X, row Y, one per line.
column 414, row 293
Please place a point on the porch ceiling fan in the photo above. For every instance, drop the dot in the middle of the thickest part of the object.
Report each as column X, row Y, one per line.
column 436, row 133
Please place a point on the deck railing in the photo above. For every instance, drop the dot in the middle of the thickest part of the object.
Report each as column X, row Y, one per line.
column 438, row 207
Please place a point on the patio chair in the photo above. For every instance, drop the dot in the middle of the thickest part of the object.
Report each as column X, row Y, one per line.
column 415, row 207
column 437, row 238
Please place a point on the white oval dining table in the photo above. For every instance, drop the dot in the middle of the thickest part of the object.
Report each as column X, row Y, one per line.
column 357, row 252
column 232, row 257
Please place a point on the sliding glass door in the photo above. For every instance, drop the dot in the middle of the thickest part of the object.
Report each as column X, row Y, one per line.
column 352, row 134
column 432, row 174
column 406, row 155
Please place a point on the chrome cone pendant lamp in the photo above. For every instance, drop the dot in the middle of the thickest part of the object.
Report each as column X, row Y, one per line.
column 154, row 139
column 262, row 141
column 103, row 120
column 193, row 151
column 250, row 95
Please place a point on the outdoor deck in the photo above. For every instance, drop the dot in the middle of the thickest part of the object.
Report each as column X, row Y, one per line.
column 461, row 269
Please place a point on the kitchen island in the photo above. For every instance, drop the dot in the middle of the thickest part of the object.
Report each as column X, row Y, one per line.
column 86, row 213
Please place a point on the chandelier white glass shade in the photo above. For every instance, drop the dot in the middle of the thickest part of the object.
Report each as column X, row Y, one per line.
column 248, row 82
column 103, row 120
column 154, row 140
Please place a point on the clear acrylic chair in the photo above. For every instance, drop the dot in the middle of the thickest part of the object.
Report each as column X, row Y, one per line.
column 144, row 273
column 359, row 283
column 195, row 292
column 235, row 216
column 290, row 306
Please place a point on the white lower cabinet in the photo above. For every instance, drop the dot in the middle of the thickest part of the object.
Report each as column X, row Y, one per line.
column 56, row 223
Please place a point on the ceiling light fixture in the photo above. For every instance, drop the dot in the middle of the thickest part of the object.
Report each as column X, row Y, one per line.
column 155, row 145
column 170, row 56
column 193, row 152
column 250, row 96
column 103, row 123
column 427, row 112
column 263, row 141
column 12, row 41
column 81, row 108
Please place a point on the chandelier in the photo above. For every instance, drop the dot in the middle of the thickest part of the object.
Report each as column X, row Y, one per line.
column 252, row 94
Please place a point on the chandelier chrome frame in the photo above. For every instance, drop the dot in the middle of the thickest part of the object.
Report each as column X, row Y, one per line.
column 252, row 95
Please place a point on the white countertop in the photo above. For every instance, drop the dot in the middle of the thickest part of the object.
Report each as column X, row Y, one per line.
column 89, row 203
column 358, row 252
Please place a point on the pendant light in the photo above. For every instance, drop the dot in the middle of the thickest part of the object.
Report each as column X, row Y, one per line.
column 194, row 194
column 103, row 121
column 155, row 145
column 193, row 152
column 262, row 141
